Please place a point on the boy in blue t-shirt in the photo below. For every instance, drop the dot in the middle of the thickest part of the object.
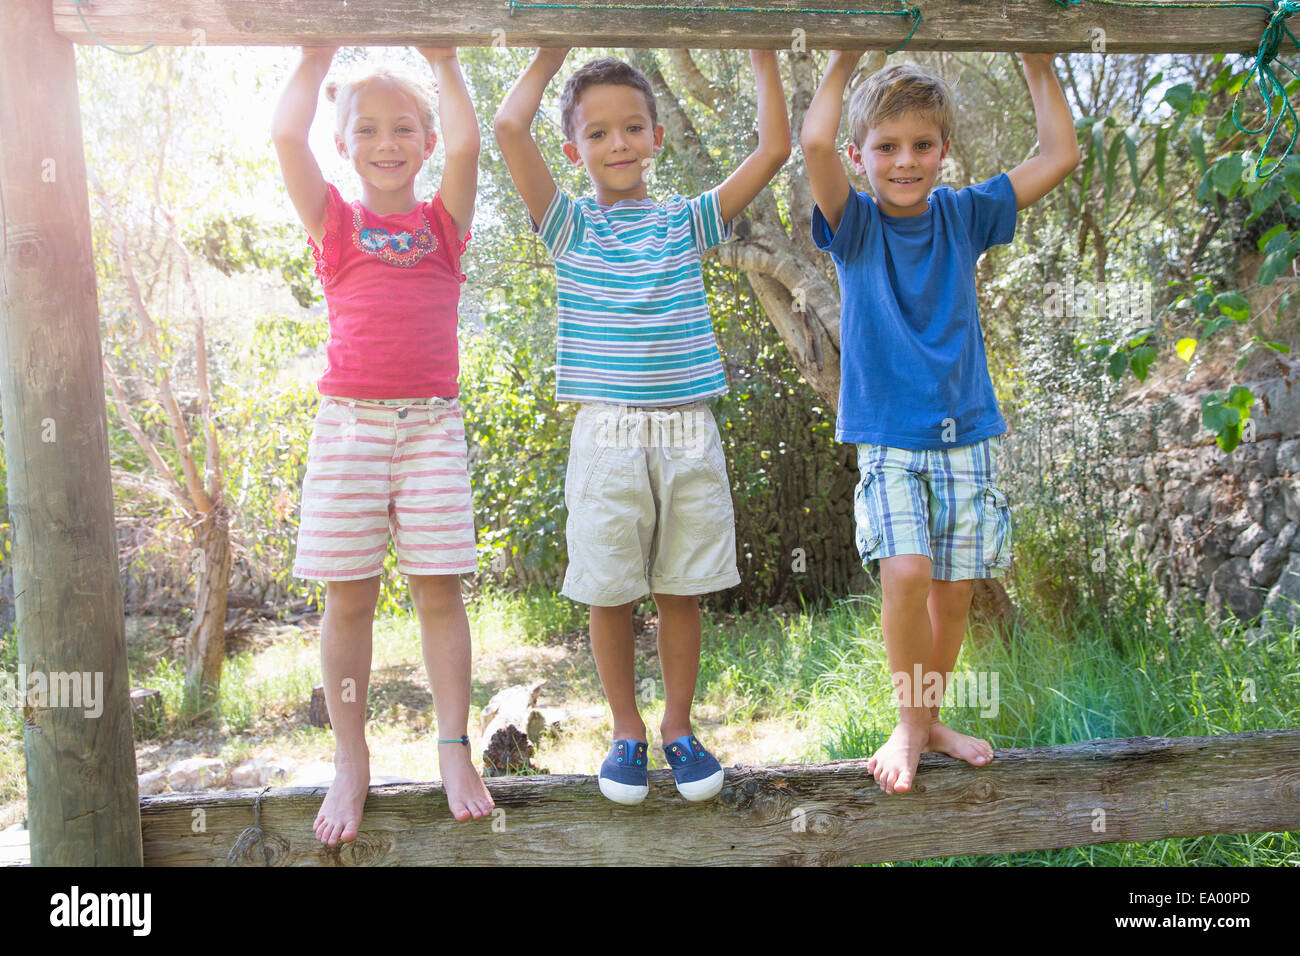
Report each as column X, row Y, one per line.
column 649, row 507
column 915, row 393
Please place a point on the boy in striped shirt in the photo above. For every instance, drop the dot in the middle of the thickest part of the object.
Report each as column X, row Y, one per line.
column 646, row 487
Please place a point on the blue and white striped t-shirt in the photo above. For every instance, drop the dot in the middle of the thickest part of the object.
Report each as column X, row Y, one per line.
column 634, row 325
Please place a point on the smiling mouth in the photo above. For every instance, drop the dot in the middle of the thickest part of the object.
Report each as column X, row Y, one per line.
column 627, row 162
column 391, row 163
column 906, row 182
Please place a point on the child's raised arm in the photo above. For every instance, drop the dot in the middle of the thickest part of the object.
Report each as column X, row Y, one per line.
column 289, row 130
column 1058, row 147
column 513, row 126
column 821, row 124
column 773, row 148
column 460, row 137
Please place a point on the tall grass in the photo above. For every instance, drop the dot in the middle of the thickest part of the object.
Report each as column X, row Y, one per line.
column 1137, row 668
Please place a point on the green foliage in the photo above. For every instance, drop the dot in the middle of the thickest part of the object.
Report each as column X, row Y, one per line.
column 1227, row 181
column 1226, row 416
column 234, row 244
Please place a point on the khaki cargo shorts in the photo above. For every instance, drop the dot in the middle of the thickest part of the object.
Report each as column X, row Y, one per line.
column 649, row 504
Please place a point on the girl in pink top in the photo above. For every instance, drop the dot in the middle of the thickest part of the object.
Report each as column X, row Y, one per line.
column 388, row 449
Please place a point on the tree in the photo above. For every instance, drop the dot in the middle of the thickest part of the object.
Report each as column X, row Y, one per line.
column 155, row 325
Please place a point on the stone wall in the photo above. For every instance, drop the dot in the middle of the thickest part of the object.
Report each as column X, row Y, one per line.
column 1225, row 527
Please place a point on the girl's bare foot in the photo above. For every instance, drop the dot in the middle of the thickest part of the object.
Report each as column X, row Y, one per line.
column 339, row 819
column 894, row 764
column 467, row 795
column 945, row 740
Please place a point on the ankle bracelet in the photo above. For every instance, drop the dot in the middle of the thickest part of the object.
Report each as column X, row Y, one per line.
column 462, row 739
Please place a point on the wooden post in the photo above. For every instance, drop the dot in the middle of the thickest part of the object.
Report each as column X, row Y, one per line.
column 954, row 25
column 82, row 799
column 1098, row 791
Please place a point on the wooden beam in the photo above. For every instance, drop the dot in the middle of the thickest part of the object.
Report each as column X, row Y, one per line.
column 955, row 25
column 1101, row 791
column 82, row 799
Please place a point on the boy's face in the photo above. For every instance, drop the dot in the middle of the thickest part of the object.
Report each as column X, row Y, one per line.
column 614, row 140
column 901, row 159
column 384, row 138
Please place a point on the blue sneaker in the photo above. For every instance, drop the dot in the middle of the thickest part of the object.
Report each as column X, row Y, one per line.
column 696, row 772
column 625, row 774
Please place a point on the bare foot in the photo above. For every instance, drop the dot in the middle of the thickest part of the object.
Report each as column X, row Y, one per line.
column 894, row 764
column 945, row 740
column 339, row 819
column 467, row 795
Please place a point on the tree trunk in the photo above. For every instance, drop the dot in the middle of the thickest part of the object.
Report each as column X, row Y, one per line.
column 205, row 644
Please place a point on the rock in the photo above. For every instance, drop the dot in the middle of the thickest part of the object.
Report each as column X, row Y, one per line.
column 194, row 773
column 258, row 772
column 153, row 782
column 1173, row 490
column 1149, row 478
column 1216, row 544
column 1268, row 458
column 1230, row 587
column 1291, row 497
column 1266, row 562
column 1237, row 522
column 1199, row 497
column 1283, row 404
column 1259, row 494
column 1283, row 604
column 1289, row 537
column 1246, row 542
column 1237, row 462
column 1288, row 457
column 1275, row 515
column 1183, row 530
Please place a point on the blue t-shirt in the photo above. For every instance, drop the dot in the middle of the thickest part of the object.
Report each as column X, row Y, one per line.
column 912, row 368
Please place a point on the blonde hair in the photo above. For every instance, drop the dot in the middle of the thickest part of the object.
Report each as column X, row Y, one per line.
column 340, row 94
column 898, row 89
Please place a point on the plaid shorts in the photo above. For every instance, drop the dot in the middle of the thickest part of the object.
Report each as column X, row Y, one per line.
column 944, row 504
column 375, row 468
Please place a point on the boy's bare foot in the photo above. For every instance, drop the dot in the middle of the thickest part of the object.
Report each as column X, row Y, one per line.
column 894, row 764
column 467, row 795
column 945, row 740
column 339, row 819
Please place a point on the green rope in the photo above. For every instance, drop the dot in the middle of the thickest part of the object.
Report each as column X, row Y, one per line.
column 79, row 4
column 913, row 12
column 1262, row 69
column 1270, row 86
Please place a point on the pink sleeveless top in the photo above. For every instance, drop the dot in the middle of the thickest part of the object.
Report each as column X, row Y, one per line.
column 392, row 284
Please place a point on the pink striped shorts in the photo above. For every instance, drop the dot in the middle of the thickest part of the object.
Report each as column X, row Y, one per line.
column 372, row 469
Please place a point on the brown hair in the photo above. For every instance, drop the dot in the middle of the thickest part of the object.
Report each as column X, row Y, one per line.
column 898, row 89
column 600, row 72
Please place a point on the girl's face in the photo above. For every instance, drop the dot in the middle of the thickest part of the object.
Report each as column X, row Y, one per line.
column 384, row 137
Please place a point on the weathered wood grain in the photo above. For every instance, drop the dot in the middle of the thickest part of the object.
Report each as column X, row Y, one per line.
column 81, row 783
column 1149, row 788
column 956, row 25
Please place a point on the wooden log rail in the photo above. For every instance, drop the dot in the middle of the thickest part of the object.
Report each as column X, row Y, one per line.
column 1099, row 791
column 954, row 25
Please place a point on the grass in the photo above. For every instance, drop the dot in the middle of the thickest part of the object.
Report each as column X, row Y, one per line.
column 774, row 686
